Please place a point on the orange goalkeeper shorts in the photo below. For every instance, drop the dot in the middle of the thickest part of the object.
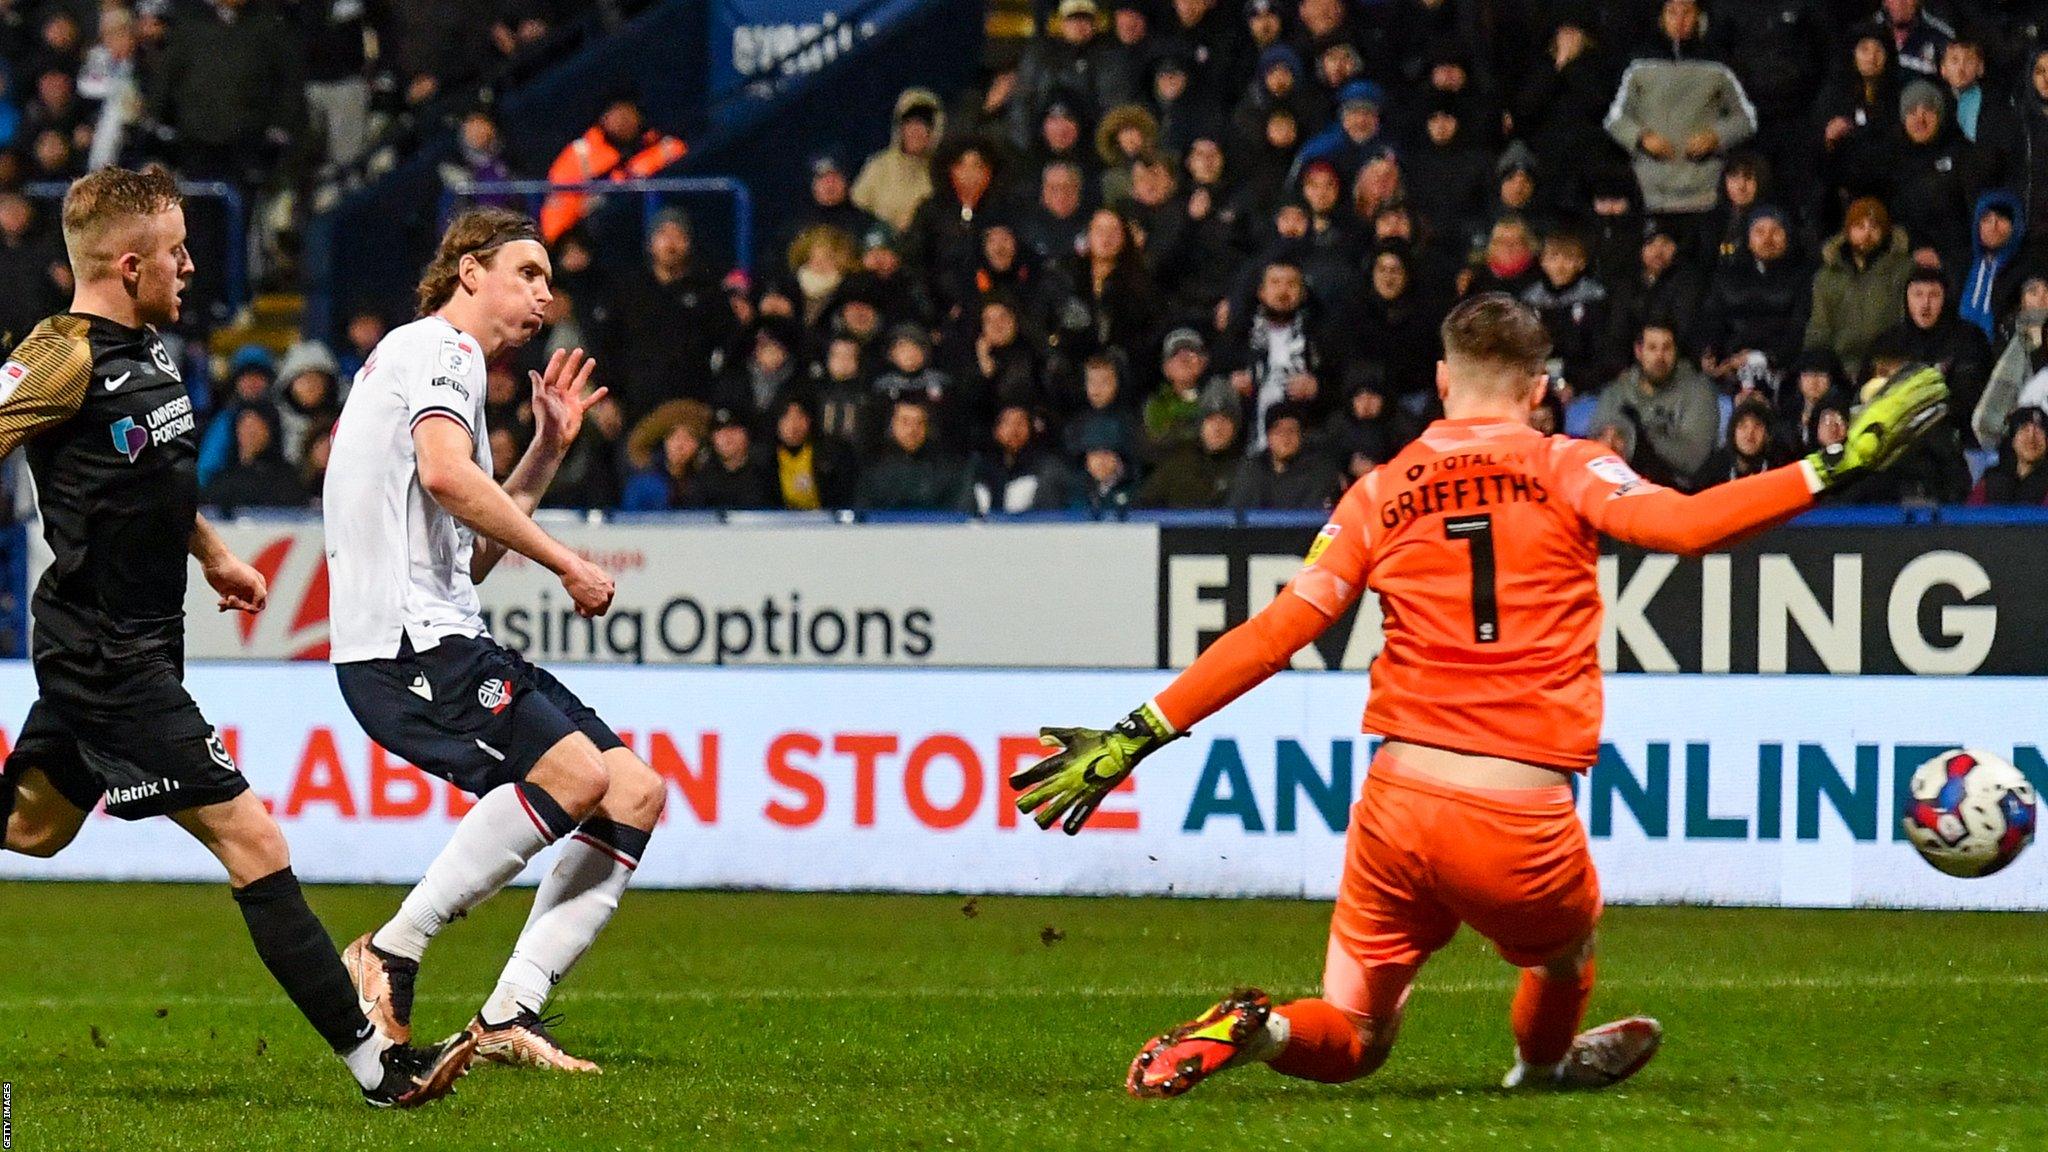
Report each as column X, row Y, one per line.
column 1424, row 856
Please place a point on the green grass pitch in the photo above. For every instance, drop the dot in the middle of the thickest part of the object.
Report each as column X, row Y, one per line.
column 136, row 1016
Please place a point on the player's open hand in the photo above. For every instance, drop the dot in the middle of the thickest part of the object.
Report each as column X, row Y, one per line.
column 241, row 587
column 1086, row 766
column 561, row 396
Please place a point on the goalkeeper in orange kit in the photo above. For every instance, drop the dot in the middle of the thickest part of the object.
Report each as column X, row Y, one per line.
column 1481, row 539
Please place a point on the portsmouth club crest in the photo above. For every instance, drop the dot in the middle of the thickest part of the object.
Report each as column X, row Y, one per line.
column 161, row 357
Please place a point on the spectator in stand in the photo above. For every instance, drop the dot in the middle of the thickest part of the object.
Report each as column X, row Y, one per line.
column 943, row 244
column 1861, row 288
column 56, row 107
column 1393, row 326
column 231, row 86
column 1276, row 354
column 1724, row 230
column 847, row 402
column 1070, row 57
column 670, row 317
column 750, row 387
column 913, row 472
column 1127, row 53
column 251, row 376
column 1283, row 474
column 338, row 71
column 31, row 265
column 820, row 259
column 1991, row 282
column 894, row 181
column 1928, row 175
column 1934, row 470
column 479, row 158
column 1125, row 134
column 1278, row 86
column 1184, row 115
column 1750, row 448
column 1672, row 409
column 258, row 477
column 1265, row 171
column 665, row 449
column 2017, row 379
column 1187, row 391
column 1355, row 138
column 1677, row 113
column 1666, row 285
column 2018, row 477
column 1508, row 261
column 1203, row 32
column 735, row 477
column 1063, row 139
column 811, row 471
column 365, row 329
column 1457, row 173
column 830, row 204
column 1856, row 107
column 1108, row 301
column 1820, row 383
column 1197, row 475
column 1107, row 419
column 1573, row 306
column 1781, row 51
column 592, row 472
column 1368, row 430
column 1565, row 96
column 312, row 471
column 911, row 376
column 307, row 397
column 1754, row 316
column 618, row 147
column 1017, row 474
column 1962, row 73
column 1917, row 37
column 1054, row 226
column 1932, row 333
column 998, row 364
column 1109, row 487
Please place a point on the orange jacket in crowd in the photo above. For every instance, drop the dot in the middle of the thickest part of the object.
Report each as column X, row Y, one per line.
column 592, row 156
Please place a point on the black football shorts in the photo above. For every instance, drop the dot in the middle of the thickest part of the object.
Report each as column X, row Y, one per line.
column 132, row 734
column 467, row 710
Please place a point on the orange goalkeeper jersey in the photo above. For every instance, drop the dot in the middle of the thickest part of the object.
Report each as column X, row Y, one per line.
column 1482, row 540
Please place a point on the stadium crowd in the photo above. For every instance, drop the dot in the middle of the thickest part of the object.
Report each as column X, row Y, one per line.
column 1193, row 253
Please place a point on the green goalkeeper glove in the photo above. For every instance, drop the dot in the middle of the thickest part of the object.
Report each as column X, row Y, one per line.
column 1905, row 408
column 1088, row 765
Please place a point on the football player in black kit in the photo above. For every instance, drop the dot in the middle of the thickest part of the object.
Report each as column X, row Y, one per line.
column 111, row 441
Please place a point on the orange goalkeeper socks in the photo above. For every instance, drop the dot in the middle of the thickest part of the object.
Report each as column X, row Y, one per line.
column 1547, row 1014
column 1322, row 1044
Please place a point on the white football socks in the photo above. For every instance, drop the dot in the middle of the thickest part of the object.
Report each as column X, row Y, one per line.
column 1271, row 1040
column 489, row 847
column 575, row 901
column 366, row 1060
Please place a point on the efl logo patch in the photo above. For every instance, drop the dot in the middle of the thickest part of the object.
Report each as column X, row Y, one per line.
column 130, row 438
column 1613, row 469
column 1322, row 544
column 455, row 357
column 12, row 374
column 494, row 695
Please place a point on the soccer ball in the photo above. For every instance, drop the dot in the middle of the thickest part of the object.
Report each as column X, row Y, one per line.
column 1971, row 812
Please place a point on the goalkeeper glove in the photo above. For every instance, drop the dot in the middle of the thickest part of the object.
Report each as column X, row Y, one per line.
column 1908, row 404
column 1088, row 765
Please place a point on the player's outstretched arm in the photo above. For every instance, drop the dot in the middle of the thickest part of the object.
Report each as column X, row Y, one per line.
column 449, row 472
column 1088, row 763
column 559, row 403
column 242, row 588
column 1909, row 405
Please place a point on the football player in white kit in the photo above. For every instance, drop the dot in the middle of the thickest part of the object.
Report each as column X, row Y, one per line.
column 414, row 520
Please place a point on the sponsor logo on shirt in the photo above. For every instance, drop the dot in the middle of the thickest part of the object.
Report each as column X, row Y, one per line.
column 129, row 438
column 1322, row 543
column 1613, row 469
column 449, row 382
column 455, row 357
column 166, row 423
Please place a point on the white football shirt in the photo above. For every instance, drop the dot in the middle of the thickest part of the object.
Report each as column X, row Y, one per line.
column 397, row 562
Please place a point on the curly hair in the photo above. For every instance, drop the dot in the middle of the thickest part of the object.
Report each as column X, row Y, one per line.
column 478, row 232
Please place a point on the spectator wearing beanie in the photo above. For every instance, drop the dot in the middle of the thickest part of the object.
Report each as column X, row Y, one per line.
column 1109, row 484
column 1677, row 112
column 2019, row 477
column 1127, row 53
column 1861, row 288
column 1369, row 429
column 671, row 317
column 1355, row 137
column 1666, row 284
column 1279, row 84
column 1928, row 174
column 1991, row 283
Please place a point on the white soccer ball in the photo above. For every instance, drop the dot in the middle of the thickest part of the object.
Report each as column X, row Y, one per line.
column 1971, row 812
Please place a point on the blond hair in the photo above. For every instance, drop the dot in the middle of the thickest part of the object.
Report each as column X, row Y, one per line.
column 478, row 232
column 99, row 206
